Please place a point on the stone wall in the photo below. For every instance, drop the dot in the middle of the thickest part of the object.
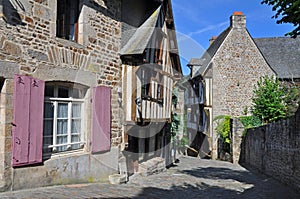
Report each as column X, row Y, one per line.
column 274, row 149
column 6, row 116
column 236, row 139
column 29, row 46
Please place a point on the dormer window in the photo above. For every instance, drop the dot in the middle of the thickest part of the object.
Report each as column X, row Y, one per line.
column 67, row 19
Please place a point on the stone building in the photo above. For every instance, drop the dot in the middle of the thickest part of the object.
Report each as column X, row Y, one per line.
column 60, row 73
column 61, row 111
column 229, row 70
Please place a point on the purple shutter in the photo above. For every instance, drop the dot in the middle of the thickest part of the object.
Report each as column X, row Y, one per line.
column 27, row 130
column 100, row 139
column 20, row 135
column 36, row 119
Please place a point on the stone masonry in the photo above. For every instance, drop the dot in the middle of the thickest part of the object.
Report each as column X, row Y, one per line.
column 29, row 46
column 274, row 150
column 236, row 68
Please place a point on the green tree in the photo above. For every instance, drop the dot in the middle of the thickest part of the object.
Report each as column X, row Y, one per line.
column 287, row 11
column 223, row 128
column 269, row 103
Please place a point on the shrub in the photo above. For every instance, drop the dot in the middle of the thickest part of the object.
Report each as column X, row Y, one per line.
column 269, row 100
column 223, row 127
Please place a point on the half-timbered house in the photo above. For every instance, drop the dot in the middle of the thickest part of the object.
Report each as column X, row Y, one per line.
column 150, row 67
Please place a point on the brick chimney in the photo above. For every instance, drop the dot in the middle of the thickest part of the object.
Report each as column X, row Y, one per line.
column 238, row 20
column 212, row 39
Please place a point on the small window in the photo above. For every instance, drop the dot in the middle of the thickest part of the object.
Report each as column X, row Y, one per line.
column 1, row 83
column 146, row 77
column 67, row 19
column 63, row 117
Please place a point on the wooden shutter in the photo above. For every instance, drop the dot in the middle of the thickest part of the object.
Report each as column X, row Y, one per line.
column 100, row 139
column 27, row 128
column 36, row 116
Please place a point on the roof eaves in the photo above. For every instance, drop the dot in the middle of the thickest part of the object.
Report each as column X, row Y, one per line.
column 211, row 51
column 140, row 39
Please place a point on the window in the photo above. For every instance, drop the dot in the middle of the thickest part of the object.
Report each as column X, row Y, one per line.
column 160, row 87
column 67, row 19
column 146, row 78
column 63, row 117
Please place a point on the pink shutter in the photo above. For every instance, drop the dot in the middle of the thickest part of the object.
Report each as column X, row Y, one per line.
column 27, row 129
column 100, row 139
column 20, row 135
column 36, row 116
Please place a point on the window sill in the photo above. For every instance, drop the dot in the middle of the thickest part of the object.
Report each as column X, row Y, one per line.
column 69, row 43
column 64, row 154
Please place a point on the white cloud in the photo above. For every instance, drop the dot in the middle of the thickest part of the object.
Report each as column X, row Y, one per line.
column 208, row 28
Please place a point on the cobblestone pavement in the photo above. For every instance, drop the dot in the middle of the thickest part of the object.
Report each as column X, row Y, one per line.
column 190, row 178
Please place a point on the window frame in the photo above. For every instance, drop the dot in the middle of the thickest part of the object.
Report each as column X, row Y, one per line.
column 152, row 88
column 70, row 101
column 64, row 17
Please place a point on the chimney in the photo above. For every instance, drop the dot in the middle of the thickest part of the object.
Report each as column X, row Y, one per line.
column 212, row 39
column 238, row 20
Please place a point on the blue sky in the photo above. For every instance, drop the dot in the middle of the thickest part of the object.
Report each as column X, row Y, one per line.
column 197, row 21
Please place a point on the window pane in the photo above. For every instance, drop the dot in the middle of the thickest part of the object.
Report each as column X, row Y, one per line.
column 72, row 27
column 75, row 93
column 47, row 140
column 61, row 148
column 62, row 110
column 49, row 91
column 76, row 126
column 62, row 139
column 48, row 127
column 62, row 126
column 76, row 110
column 63, row 92
column 76, row 146
column 48, row 110
column 75, row 138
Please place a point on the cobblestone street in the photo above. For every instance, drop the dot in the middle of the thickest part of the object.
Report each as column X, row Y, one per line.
column 190, row 178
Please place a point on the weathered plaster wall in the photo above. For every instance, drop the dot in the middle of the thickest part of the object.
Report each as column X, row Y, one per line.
column 28, row 45
column 76, row 168
column 274, row 149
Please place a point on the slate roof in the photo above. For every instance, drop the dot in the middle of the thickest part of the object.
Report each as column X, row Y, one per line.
column 127, row 32
column 204, row 61
column 282, row 54
column 139, row 38
column 194, row 62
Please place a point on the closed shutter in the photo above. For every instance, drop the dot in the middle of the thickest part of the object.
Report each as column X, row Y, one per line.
column 101, row 119
column 27, row 130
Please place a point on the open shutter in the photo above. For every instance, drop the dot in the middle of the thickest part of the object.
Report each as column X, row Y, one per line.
column 20, row 130
column 100, row 139
column 36, row 114
column 27, row 129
